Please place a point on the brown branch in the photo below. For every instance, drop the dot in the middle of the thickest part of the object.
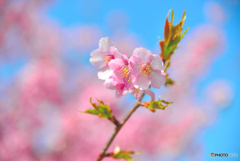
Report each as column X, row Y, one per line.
column 118, row 128
column 114, row 121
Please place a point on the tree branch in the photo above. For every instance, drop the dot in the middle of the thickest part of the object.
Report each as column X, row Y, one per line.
column 114, row 121
column 118, row 128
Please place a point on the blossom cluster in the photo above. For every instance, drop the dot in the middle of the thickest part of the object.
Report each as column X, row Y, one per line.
column 128, row 75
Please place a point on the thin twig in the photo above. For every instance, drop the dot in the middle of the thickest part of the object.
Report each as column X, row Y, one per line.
column 118, row 128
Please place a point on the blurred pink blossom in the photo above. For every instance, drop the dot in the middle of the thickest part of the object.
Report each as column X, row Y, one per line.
column 39, row 112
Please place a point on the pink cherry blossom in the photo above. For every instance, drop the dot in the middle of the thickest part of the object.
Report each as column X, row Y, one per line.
column 121, row 89
column 121, row 71
column 102, row 56
column 147, row 69
column 121, row 80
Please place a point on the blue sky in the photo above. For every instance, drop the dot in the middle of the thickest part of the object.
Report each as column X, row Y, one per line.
column 146, row 19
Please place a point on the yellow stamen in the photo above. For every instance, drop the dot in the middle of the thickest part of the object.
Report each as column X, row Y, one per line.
column 108, row 59
column 146, row 69
column 124, row 72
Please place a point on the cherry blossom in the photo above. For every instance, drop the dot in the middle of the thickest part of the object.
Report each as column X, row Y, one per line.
column 102, row 56
column 121, row 71
column 147, row 69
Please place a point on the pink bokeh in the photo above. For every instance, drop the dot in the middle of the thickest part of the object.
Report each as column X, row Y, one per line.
column 40, row 110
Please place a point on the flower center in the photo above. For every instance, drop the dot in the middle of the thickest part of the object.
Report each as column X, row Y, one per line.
column 108, row 58
column 146, row 69
column 136, row 91
column 124, row 72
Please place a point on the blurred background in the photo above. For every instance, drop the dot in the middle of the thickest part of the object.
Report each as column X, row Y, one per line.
column 46, row 78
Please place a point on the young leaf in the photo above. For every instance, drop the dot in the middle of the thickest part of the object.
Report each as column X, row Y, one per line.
column 101, row 110
column 167, row 65
column 92, row 111
column 172, row 36
column 159, row 104
column 172, row 17
column 184, row 33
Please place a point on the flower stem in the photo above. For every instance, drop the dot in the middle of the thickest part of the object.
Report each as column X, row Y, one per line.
column 118, row 128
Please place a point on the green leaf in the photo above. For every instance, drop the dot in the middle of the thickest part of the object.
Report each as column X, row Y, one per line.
column 159, row 104
column 122, row 155
column 184, row 33
column 92, row 111
column 101, row 110
column 174, row 43
column 183, row 16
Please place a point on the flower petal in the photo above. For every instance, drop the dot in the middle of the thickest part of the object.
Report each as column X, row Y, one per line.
column 128, row 81
column 105, row 44
column 158, row 78
column 105, row 73
column 119, row 90
column 125, row 59
column 142, row 81
column 110, row 83
column 149, row 59
column 135, row 63
column 142, row 53
column 150, row 93
column 116, row 64
column 115, row 53
column 157, row 63
column 97, row 59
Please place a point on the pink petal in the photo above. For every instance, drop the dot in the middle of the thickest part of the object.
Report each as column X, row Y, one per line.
column 158, row 78
column 135, row 63
column 149, row 59
column 110, row 83
column 105, row 73
column 150, row 93
column 128, row 82
column 119, row 90
column 97, row 59
column 105, row 44
column 125, row 59
column 142, row 81
column 157, row 63
column 116, row 64
column 115, row 53
column 117, row 77
column 142, row 53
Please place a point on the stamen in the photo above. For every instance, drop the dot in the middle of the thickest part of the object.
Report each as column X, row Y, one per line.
column 108, row 57
column 124, row 72
column 146, row 69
